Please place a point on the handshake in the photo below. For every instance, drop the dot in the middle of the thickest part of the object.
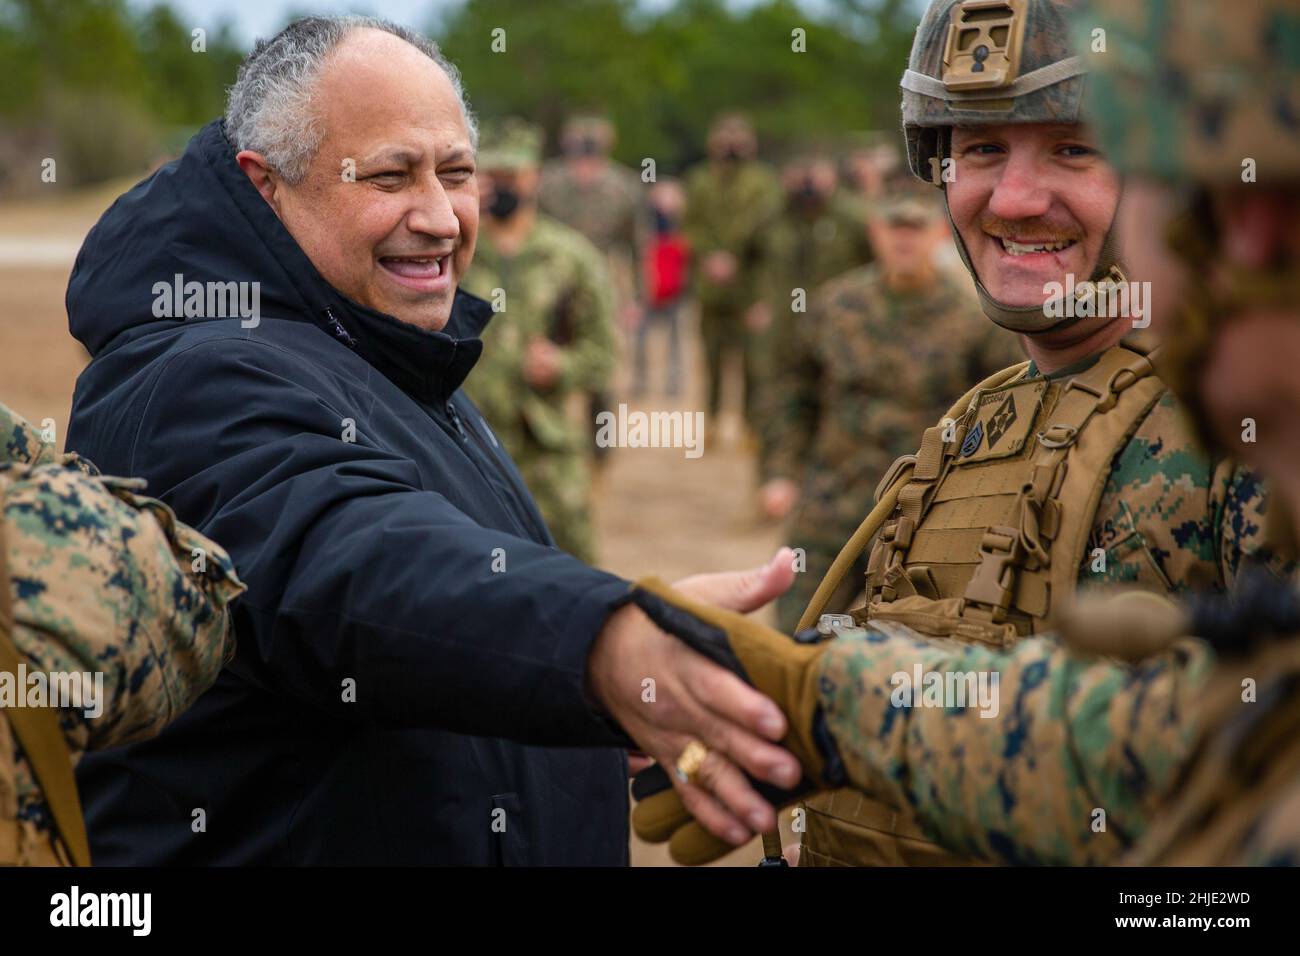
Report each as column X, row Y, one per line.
column 689, row 803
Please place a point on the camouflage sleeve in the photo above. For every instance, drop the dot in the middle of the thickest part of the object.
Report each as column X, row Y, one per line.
column 23, row 444
column 792, row 402
column 1050, row 759
column 1172, row 519
column 110, row 586
column 1240, row 503
column 588, row 360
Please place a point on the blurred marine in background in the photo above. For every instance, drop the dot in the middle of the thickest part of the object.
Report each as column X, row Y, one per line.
column 817, row 234
column 729, row 199
column 587, row 191
column 871, row 365
column 552, row 338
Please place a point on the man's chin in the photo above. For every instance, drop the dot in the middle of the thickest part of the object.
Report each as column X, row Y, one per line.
column 430, row 315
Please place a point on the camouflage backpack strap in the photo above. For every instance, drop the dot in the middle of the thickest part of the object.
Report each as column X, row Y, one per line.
column 1038, row 555
column 888, row 494
column 39, row 734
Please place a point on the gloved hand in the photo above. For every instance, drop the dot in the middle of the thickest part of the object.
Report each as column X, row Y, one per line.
column 783, row 669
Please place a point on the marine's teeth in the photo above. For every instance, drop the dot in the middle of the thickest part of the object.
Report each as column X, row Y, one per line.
column 1021, row 248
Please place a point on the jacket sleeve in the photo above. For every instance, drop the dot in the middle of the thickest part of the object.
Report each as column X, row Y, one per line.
column 1019, row 774
column 370, row 598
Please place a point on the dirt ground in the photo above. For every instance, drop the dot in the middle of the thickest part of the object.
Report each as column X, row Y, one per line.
column 656, row 511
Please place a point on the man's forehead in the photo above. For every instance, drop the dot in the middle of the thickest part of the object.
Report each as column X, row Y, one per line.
column 378, row 89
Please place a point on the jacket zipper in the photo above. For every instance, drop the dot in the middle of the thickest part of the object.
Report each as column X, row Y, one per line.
column 486, row 453
column 346, row 338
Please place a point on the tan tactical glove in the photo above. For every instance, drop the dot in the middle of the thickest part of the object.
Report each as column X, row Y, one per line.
column 783, row 669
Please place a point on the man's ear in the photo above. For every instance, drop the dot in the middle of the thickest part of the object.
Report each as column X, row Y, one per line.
column 260, row 174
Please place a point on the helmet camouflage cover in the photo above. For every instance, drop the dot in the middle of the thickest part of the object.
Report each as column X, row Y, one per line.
column 983, row 62
column 1201, row 94
column 1191, row 90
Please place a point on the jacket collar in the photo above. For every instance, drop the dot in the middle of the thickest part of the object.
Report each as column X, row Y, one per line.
column 429, row 366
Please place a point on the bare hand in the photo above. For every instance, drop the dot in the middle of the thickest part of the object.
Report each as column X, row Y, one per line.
column 758, row 317
column 687, row 697
column 541, row 365
column 778, row 497
column 720, row 267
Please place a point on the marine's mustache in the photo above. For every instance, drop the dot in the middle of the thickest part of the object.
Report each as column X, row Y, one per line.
column 1036, row 227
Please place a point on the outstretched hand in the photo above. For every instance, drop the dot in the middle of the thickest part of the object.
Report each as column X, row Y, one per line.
column 664, row 695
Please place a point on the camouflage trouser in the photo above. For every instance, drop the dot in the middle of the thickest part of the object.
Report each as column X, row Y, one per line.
column 561, row 485
column 723, row 330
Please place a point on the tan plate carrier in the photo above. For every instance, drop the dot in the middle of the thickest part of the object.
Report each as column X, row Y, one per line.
column 974, row 539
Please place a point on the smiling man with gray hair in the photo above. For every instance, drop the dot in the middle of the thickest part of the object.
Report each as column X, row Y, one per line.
column 421, row 676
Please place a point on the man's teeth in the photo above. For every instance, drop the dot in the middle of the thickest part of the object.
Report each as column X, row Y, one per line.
column 424, row 268
column 1023, row 249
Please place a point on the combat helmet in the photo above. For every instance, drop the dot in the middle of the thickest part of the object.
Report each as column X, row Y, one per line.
column 986, row 62
column 1201, row 95
column 1198, row 95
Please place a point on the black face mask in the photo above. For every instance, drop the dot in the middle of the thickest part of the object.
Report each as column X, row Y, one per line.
column 505, row 202
column 664, row 223
column 731, row 154
column 807, row 196
column 588, row 146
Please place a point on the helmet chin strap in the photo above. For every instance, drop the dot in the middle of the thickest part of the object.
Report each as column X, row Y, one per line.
column 1035, row 319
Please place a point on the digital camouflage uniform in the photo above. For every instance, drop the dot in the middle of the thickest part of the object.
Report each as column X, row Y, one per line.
column 1189, row 92
column 606, row 209
column 555, row 287
column 103, row 582
column 726, row 210
column 861, row 375
column 798, row 252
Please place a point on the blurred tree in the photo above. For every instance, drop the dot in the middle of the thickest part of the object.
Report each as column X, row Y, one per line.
column 662, row 75
column 107, row 85
column 115, row 81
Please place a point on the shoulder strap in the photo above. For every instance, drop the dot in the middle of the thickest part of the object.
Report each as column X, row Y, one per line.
column 1047, row 538
column 888, row 499
column 39, row 734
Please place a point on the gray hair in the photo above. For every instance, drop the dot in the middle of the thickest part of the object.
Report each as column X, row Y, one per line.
column 269, row 109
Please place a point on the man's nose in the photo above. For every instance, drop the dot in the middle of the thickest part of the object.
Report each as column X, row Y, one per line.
column 1020, row 192
column 431, row 211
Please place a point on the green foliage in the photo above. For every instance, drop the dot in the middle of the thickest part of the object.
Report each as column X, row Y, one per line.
column 659, row 72
column 108, row 83
column 662, row 76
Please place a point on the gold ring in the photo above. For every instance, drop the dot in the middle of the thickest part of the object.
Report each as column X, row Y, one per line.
column 688, row 764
